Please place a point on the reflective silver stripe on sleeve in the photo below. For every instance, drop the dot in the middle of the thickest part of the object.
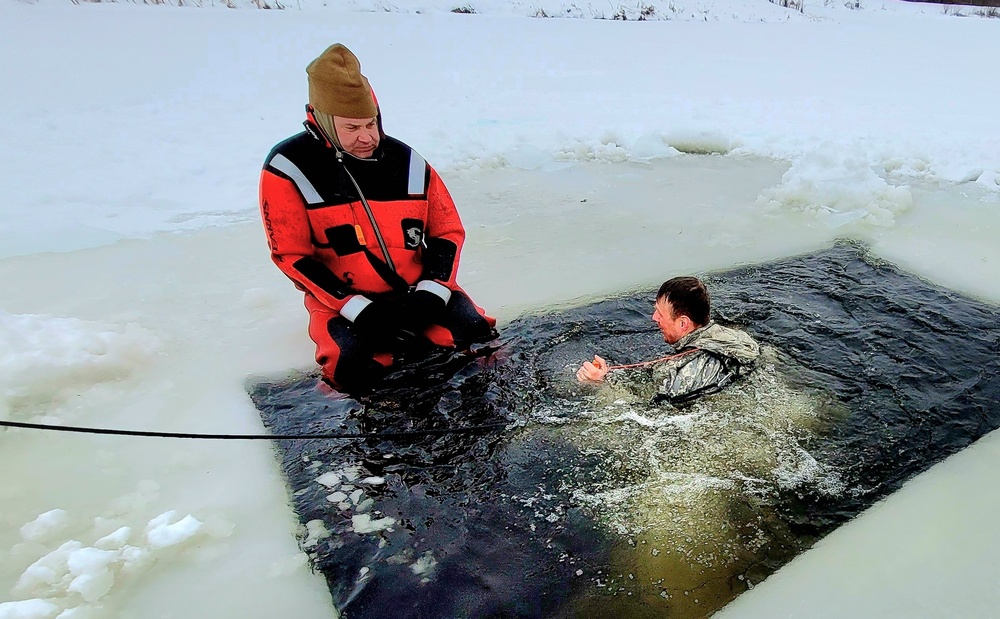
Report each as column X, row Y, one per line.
column 289, row 169
column 435, row 288
column 418, row 170
column 354, row 306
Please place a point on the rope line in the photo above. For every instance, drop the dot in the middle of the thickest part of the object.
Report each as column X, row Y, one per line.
column 643, row 364
column 295, row 437
column 248, row 437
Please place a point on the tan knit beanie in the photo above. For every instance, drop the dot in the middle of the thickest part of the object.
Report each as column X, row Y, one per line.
column 337, row 87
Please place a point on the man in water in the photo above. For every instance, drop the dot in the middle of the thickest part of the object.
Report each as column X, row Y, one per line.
column 367, row 230
column 708, row 356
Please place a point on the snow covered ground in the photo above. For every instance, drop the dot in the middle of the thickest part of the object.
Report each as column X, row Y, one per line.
column 588, row 156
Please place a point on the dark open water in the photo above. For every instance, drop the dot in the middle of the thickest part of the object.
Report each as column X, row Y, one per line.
column 586, row 505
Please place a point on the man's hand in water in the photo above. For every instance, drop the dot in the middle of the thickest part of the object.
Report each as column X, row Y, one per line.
column 593, row 370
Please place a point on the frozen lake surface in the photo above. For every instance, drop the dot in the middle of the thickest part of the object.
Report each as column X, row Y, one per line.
column 589, row 158
column 169, row 328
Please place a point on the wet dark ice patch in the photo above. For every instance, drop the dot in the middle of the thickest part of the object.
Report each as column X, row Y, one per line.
column 494, row 523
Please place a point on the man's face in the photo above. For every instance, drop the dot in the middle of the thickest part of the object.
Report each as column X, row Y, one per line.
column 672, row 326
column 358, row 136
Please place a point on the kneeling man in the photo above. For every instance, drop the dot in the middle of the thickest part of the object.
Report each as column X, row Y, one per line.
column 367, row 230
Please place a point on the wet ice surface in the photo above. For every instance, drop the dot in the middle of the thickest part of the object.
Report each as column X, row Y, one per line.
column 162, row 333
column 589, row 504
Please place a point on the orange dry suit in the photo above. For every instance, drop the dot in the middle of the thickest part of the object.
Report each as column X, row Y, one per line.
column 318, row 205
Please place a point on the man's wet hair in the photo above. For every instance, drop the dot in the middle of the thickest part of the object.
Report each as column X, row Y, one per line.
column 687, row 296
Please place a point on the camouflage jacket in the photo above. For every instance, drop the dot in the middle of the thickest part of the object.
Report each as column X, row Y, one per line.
column 714, row 356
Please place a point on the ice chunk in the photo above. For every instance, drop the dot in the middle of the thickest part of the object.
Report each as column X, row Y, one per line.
column 89, row 560
column 527, row 157
column 363, row 523
column 990, row 179
column 424, row 565
column 28, row 609
column 115, row 540
column 286, row 566
column 838, row 220
column 46, row 575
column 134, row 559
column 315, row 531
column 90, row 567
column 92, row 587
column 652, row 146
column 838, row 186
column 160, row 534
column 45, row 525
column 330, row 480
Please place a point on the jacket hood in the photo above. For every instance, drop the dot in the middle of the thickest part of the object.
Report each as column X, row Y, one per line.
column 313, row 127
column 722, row 341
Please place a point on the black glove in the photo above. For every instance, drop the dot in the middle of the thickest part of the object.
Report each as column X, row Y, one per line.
column 379, row 324
column 419, row 309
